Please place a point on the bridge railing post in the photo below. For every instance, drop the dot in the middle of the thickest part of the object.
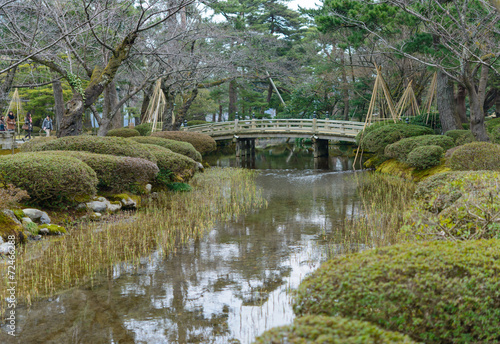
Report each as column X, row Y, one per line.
column 236, row 125
column 315, row 124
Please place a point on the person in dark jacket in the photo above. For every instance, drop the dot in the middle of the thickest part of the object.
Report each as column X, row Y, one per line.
column 28, row 125
column 47, row 125
column 2, row 123
column 11, row 121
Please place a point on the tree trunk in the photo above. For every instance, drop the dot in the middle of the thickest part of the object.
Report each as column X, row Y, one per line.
column 497, row 106
column 345, row 87
column 233, row 97
column 117, row 118
column 269, row 94
column 187, row 101
column 476, row 100
column 168, row 118
column 71, row 124
column 220, row 113
column 446, row 103
column 5, row 88
column 145, row 101
column 460, row 100
column 58, row 102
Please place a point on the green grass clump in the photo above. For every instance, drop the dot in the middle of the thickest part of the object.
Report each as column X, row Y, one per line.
column 184, row 148
column 424, row 157
column 203, row 143
column 115, row 173
column 179, row 187
column 323, row 329
column 435, row 292
column 96, row 144
column 123, row 132
column 49, row 178
column 476, row 156
column 377, row 139
column 401, row 149
column 53, row 229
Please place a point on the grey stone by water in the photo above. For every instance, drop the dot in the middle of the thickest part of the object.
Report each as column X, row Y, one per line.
column 44, row 231
column 114, row 207
column 149, row 187
column 97, row 206
column 37, row 215
column 5, row 248
column 10, row 214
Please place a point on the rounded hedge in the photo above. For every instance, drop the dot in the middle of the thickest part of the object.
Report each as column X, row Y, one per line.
column 184, row 148
column 401, row 149
column 376, row 140
column 323, row 329
column 29, row 146
column 182, row 166
column 425, row 156
column 144, row 129
column 96, row 144
column 436, row 292
column 49, row 177
column 195, row 122
column 203, row 143
column 461, row 137
column 123, row 132
column 476, row 156
column 115, row 173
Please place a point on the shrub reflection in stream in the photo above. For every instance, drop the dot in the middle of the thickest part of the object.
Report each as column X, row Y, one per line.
column 218, row 194
column 384, row 200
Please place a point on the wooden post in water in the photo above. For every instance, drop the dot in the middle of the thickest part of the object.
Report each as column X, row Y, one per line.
column 320, row 148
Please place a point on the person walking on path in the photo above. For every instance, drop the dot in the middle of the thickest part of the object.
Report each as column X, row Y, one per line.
column 2, row 123
column 11, row 121
column 28, row 126
column 47, row 125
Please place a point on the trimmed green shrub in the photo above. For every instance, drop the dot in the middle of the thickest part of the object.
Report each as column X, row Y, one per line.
column 466, row 126
column 29, row 146
column 116, row 173
column 371, row 128
column 456, row 206
column 436, row 292
column 184, row 148
column 491, row 124
column 96, row 144
column 425, row 156
column 123, row 132
column 402, row 148
column 476, row 156
column 203, row 143
column 182, row 166
column 376, row 140
column 196, row 122
column 460, row 137
column 144, row 129
column 322, row 329
column 49, row 177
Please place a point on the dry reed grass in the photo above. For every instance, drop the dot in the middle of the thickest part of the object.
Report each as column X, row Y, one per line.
column 173, row 219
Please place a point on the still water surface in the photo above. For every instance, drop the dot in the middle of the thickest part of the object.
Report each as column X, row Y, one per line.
column 229, row 286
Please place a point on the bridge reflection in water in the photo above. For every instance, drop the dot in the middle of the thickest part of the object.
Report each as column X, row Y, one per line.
column 244, row 132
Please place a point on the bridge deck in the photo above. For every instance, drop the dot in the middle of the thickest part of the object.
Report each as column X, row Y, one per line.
column 301, row 128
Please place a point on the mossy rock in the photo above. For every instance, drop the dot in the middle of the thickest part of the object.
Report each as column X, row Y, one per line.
column 400, row 169
column 19, row 213
column 10, row 227
column 324, row 329
column 435, row 292
column 127, row 201
column 53, row 229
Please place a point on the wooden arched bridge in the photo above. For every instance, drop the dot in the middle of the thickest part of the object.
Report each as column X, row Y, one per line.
column 244, row 132
column 302, row 128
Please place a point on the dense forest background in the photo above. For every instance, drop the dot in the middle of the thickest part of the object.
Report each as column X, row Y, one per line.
column 99, row 63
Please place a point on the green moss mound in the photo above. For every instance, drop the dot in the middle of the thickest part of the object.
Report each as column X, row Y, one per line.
column 144, row 129
column 397, row 168
column 201, row 142
column 476, row 156
column 96, row 144
column 425, row 157
column 49, row 178
column 36, row 141
column 435, row 292
column 376, row 140
column 10, row 227
column 323, row 329
column 123, row 132
column 456, row 206
column 402, row 148
column 182, row 166
column 53, row 229
column 460, row 137
column 115, row 173
column 184, row 148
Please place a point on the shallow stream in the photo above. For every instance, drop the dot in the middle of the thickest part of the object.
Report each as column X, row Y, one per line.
column 229, row 286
